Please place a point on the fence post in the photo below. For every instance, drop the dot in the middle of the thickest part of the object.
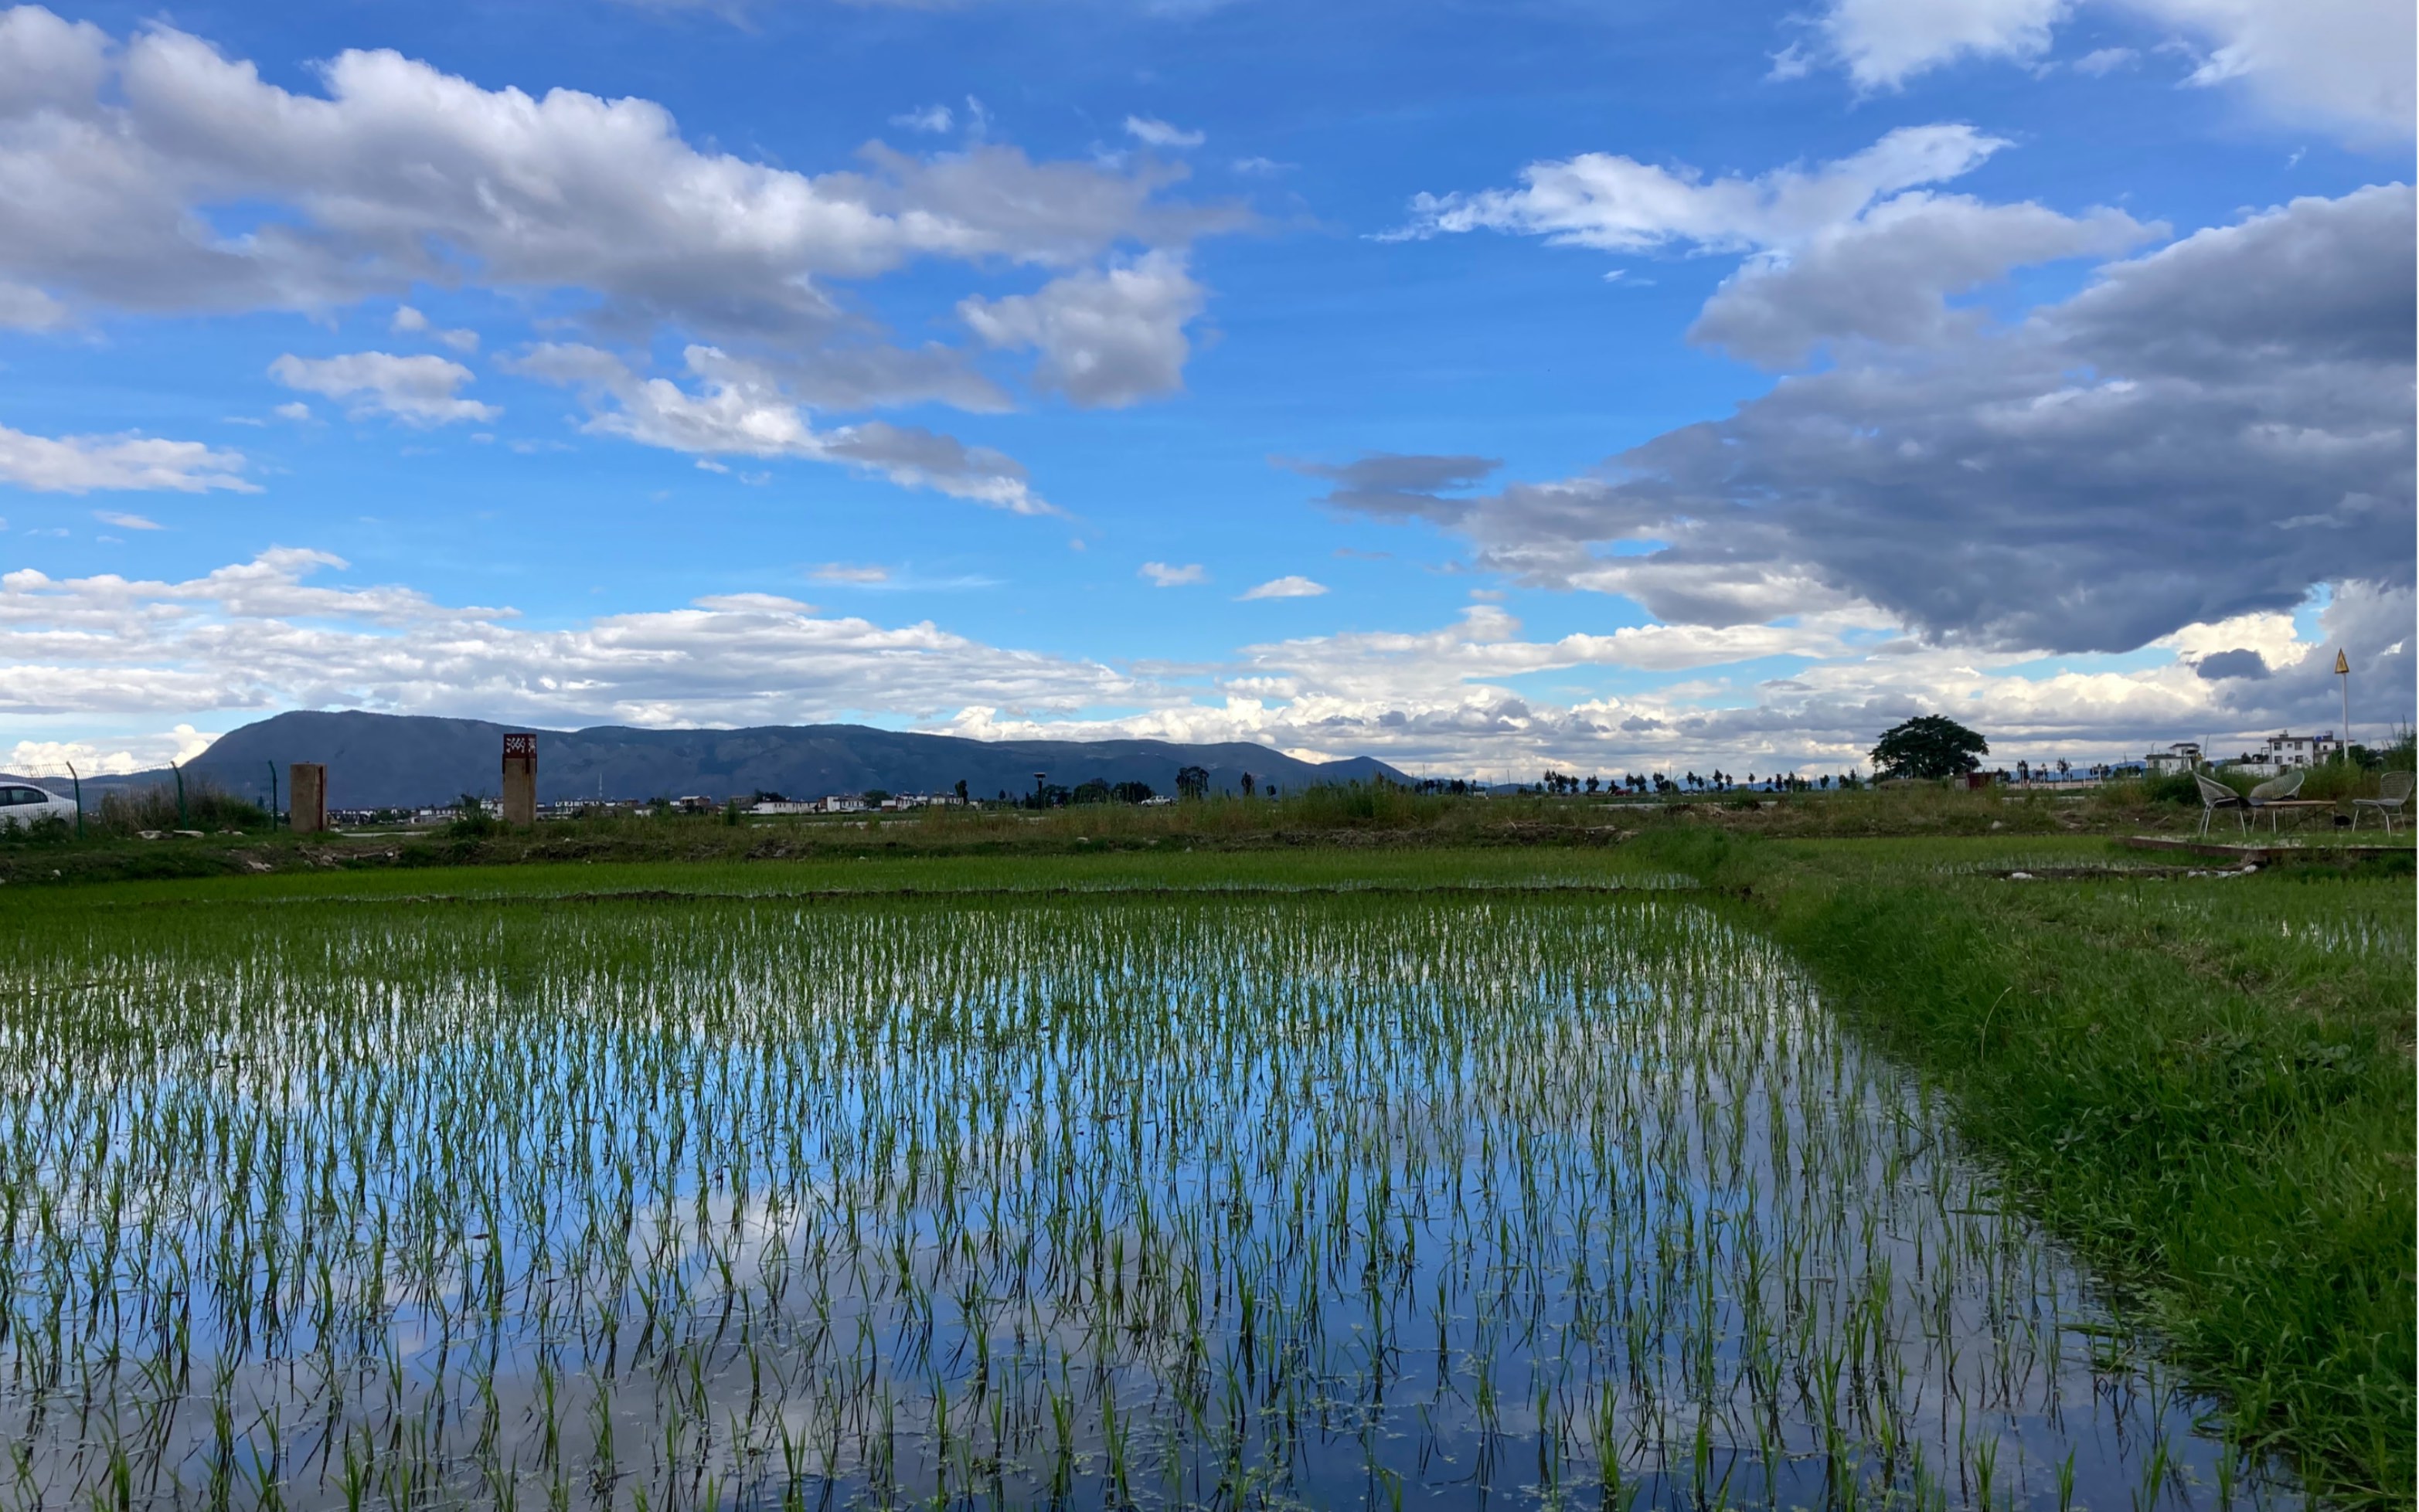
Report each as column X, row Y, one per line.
column 78, row 780
column 182, row 822
column 273, row 796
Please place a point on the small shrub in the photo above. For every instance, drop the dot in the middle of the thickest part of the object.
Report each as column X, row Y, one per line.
column 1357, row 803
column 2169, row 788
column 470, row 821
column 2338, row 782
column 207, row 806
column 50, row 829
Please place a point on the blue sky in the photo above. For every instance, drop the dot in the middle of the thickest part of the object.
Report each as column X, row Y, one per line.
column 1475, row 386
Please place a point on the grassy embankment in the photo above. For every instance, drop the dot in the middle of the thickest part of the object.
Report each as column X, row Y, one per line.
column 1324, row 819
column 2205, row 1084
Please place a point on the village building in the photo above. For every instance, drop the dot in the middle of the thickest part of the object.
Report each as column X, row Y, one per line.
column 2286, row 750
column 2184, row 755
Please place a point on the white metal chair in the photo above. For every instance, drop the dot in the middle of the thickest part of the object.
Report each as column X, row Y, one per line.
column 2393, row 796
column 2215, row 795
column 2276, row 790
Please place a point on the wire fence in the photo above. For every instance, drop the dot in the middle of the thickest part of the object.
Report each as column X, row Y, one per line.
column 108, row 804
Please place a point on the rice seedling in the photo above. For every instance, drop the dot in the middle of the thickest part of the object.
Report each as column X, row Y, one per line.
column 1236, row 1201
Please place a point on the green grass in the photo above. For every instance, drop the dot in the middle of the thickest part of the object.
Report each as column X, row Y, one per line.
column 877, row 873
column 1368, row 817
column 2205, row 1084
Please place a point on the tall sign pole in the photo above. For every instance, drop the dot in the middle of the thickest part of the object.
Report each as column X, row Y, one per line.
column 2343, row 670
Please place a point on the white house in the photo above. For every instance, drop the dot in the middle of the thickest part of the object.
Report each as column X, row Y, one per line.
column 2286, row 750
column 2184, row 755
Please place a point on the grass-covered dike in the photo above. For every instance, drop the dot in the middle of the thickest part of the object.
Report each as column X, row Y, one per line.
column 1361, row 817
column 2205, row 1084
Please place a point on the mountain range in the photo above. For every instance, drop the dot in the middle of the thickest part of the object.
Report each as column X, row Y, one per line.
column 404, row 760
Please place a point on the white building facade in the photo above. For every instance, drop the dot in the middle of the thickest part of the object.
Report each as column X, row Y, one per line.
column 2286, row 750
column 2184, row 755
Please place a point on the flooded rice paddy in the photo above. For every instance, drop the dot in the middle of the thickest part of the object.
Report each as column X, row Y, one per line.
column 1333, row 1202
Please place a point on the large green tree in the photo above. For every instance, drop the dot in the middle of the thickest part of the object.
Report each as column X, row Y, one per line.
column 1929, row 745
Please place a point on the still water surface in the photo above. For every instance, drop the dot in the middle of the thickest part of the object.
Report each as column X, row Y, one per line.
column 1330, row 1202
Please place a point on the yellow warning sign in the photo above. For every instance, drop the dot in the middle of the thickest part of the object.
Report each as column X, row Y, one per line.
column 2342, row 665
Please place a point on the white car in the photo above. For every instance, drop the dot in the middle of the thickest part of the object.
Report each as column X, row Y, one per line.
column 23, row 805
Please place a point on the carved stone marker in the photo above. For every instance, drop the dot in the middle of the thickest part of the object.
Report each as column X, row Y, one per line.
column 306, row 797
column 520, row 779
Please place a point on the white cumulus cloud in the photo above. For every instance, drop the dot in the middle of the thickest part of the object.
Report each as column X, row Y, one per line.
column 97, row 758
column 1160, row 574
column 263, row 634
column 410, row 322
column 2341, row 63
column 862, row 575
column 1152, row 132
column 739, row 408
column 1617, row 204
column 272, row 633
column 154, row 173
column 1107, row 338
column 1290, row 587
column 1437, row 701
column 105, row 464
column 1882, row 43
column 1853, row 249
column 417, row 389
column 2106, row 60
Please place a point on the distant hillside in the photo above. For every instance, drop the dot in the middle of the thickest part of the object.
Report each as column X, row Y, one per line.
column 390, row 760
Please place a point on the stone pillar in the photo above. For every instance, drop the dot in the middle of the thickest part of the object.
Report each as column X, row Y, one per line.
column 520, row 779
column 306, row 797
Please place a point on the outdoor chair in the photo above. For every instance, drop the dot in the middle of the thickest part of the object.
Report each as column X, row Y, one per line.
column 2393, row 793
column 2215, row 795
column 2275, row 791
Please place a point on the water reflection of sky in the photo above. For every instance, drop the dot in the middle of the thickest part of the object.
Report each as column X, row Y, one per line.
column 1238, row 1202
